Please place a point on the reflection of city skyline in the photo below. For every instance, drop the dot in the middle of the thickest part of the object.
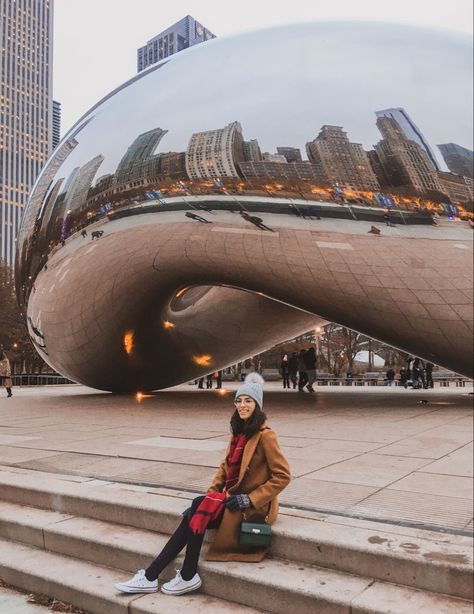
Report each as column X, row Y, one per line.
column 402, row 159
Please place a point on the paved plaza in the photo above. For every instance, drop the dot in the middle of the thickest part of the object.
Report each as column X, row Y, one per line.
column 396, row 455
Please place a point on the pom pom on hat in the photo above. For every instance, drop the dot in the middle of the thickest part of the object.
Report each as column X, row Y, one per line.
column 253, row 388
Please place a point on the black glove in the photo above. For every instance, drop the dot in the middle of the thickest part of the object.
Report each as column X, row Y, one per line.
column 186, row 512
column 237, row 502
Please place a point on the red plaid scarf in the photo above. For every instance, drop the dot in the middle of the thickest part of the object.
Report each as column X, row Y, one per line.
column 213, row 503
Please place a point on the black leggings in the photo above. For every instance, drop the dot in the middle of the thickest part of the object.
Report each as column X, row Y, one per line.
column 183, row 536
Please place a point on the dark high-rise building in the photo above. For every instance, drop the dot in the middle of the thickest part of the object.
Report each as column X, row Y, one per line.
column 185, row 33
column 26, row 30
column 410, row 130
column 459, row 160
column 252, row 152
column 341, row 162
column 404, row 161
column 292, row 154
column 136, row 161
column 56, row 123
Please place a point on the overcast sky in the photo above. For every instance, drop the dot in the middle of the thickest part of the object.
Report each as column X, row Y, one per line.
column 96, row 40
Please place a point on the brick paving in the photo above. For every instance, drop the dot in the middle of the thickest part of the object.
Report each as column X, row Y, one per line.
column 370, row 453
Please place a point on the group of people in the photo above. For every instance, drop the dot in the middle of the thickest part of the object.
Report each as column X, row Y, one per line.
column 418, row 374
column 215, row 375
column 299, row 370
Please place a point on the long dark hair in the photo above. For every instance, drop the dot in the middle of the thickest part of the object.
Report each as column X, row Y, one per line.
column 247, row 427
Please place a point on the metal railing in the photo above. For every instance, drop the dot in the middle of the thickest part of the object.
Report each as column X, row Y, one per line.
column 39, row 379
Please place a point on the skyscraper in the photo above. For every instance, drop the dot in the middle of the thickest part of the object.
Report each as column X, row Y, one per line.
column 215, row 153
column 410, row 130
column 458, row 159
column 404, row 161
column 137, row 156
column 338, row 161
column 56, row 123
column 25, row 108
column 185, row 33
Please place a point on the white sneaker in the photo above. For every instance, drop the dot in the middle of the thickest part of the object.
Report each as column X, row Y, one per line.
column 178, row 586
column 138, row 584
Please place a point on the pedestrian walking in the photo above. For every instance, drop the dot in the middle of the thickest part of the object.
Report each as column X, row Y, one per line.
column 390, row 375
column 293, row 369
column 218, row 376
column 402, row 377
column 309, row 360
column 285, row 371
column 246, row 485
column 409, row 380
column 209, row 381
column 418, row 373
column 303, row 376
column 6, row 374
column 429, row 375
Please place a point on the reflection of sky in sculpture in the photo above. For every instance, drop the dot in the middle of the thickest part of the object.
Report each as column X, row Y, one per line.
column 325, row 73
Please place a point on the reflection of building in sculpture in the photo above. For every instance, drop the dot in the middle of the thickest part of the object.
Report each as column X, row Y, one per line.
column 26, row 109
column 185, row 33
column 458, row 188
column 410, row 130
column 404, row 162
column 138, row 161
column 279, row 159
column 276, row 171
column 215, row 153
column 173, row 165
column 458, row 159
column 76, row 198
column 292, row 154
column 341, row 162
column 252, row 152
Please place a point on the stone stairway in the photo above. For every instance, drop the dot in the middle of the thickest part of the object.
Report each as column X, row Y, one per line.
column 73, row 538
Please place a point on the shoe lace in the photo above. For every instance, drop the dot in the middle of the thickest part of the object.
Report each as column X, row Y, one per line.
column 177, row 579
column 139, row 575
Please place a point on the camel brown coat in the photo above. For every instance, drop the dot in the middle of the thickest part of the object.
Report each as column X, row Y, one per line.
column 264, row 473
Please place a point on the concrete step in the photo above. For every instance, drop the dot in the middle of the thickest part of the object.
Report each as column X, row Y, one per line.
column 436, row 562
column 90, row 586
column 275, row 585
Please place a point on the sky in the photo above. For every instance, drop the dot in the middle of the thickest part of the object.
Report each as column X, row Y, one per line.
column 95, row 41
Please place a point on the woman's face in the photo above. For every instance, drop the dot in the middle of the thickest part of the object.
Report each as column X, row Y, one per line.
column 245, row 406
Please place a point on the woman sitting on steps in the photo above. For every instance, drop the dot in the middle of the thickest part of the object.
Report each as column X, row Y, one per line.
column 252, row 474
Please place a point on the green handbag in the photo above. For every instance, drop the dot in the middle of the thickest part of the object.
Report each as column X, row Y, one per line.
column 255, row 533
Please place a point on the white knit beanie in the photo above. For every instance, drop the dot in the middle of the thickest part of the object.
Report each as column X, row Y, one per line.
column 253, row 388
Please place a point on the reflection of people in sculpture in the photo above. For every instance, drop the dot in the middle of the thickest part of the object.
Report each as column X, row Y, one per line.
column 196, row 217
column 256, row 221
column 246, row 485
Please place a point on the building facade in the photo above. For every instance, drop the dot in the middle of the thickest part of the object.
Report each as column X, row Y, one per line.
column 215, row 153
column 252, row 152
column 410, row 130
column 185, row 33
column 459, row 160
column 404, row 162
column 25, row 108
column 458, row 188
column 56, row 123
column 292, row 154
column 139, row 160
column 341, row 162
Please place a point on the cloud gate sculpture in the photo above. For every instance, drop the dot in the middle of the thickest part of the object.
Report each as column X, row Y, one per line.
column 243, row 191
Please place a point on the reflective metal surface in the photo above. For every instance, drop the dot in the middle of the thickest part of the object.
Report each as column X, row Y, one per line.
column 224, row 200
